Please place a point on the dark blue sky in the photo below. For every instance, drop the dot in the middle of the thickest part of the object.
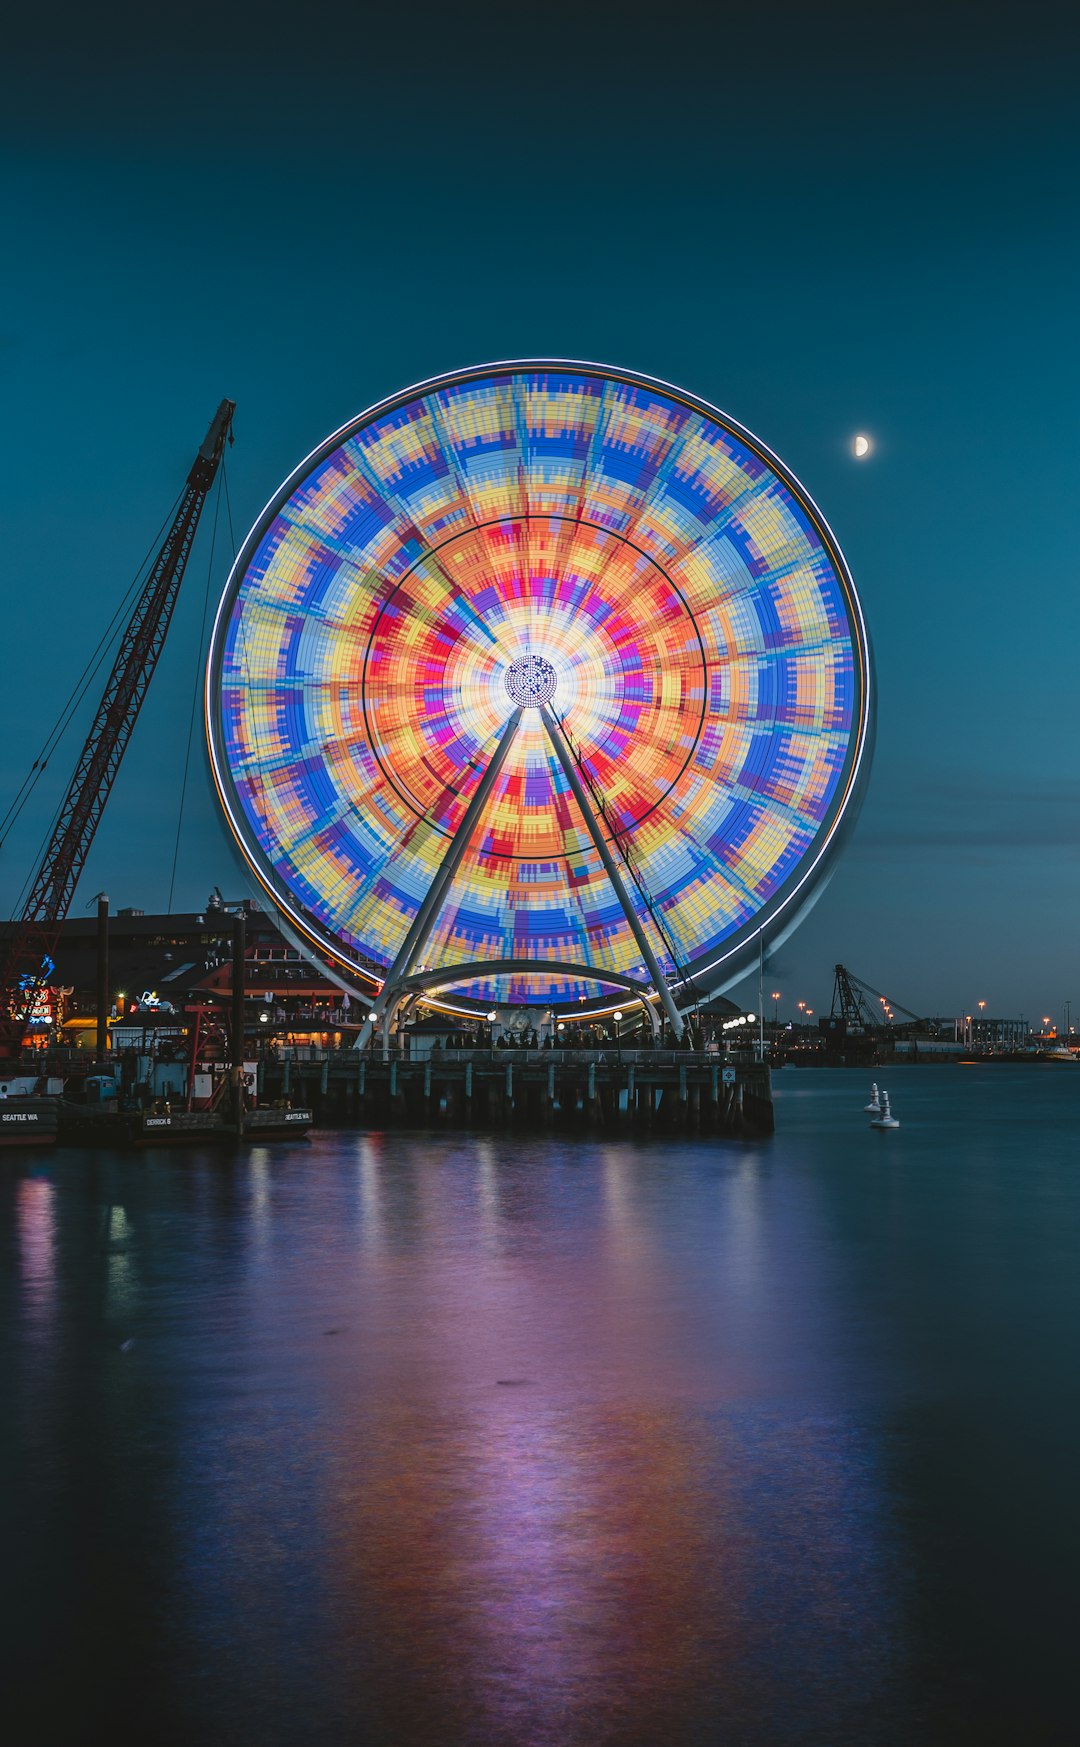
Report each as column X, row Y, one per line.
column 823, row 220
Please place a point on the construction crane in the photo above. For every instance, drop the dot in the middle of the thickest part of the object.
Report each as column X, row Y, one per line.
column 28, row 961
column 852, row 1015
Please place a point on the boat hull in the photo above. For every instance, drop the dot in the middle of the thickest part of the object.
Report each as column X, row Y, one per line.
column 270, row 1124
column 28, row 1121
column 80, row 1126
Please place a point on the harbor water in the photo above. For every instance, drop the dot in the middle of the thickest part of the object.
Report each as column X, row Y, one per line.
column 401, row 1439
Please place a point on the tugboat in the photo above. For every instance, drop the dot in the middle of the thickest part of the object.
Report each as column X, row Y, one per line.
column 27, row 1116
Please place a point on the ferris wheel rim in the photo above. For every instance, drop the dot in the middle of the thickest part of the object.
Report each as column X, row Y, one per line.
column 777, row 915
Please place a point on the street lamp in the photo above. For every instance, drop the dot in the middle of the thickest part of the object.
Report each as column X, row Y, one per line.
column 776, row 1009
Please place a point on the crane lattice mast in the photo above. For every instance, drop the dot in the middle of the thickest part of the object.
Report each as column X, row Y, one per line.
column 850, row 1004
column 27, row 964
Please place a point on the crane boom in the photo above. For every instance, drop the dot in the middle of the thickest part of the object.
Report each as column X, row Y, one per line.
column 849, row 1003
column 37, row 929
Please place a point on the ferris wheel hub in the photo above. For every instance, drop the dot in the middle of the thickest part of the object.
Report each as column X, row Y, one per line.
column 531, row 681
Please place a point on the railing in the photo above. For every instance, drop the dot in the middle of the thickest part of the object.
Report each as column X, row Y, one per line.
column 609, row 1055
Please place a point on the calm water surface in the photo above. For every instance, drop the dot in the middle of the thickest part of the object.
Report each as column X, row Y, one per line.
column 403, row 1439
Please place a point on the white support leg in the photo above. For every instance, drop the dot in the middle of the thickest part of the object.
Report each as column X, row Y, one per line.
column 563, row 754
column 427, row 915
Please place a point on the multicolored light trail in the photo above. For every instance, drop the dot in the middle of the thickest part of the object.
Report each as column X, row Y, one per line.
column 635, row 554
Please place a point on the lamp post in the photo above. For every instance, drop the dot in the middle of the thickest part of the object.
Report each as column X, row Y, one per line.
column 776, row 1010
column 618, row 1034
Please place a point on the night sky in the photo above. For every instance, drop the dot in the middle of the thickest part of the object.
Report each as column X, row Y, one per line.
column 824, row 220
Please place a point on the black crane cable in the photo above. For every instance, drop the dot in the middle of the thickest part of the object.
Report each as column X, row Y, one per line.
column 79, row 690
column 63, row 721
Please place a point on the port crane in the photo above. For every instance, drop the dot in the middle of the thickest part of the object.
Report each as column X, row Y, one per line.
column 853, row 1022
column 849, row 1002
column 27, row 963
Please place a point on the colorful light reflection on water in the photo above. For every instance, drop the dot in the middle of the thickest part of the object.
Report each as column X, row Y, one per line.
column 505, row 1441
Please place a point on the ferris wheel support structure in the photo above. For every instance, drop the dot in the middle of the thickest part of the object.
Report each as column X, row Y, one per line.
column 383, row 1011
column 577, row 789
column 397, row 989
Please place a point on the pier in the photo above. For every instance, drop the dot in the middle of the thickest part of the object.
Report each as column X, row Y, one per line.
column 606, row 1090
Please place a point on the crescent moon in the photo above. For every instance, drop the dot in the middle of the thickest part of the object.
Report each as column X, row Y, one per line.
column 861, row 446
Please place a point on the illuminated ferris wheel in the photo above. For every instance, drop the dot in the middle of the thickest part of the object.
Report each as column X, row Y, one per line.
column 540, row 683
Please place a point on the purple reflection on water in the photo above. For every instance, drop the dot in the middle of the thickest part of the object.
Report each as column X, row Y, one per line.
column 410, row 1440
column 499, row 1450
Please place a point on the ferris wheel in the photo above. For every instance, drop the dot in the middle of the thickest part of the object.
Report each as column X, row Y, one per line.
column 543, row 683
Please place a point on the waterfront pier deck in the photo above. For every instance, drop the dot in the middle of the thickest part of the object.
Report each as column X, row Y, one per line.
column 606, row 1090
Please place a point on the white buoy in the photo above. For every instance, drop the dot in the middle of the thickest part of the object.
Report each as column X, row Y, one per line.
column 875, row 1102
column 885, row 1119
